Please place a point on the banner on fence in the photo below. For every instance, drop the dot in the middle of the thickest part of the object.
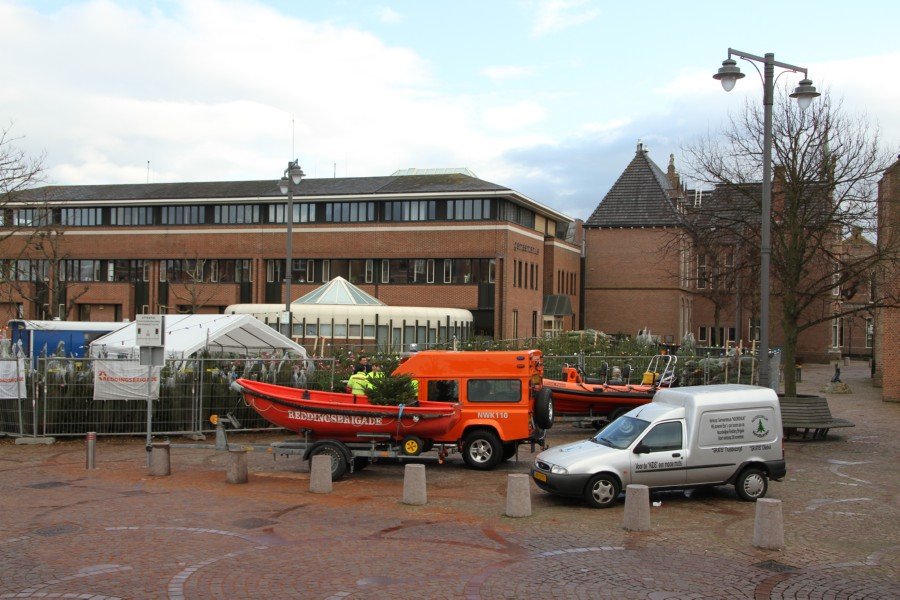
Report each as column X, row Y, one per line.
column 124, row 380
column 12, row 379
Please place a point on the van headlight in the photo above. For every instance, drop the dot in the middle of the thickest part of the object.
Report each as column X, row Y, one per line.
column 558, row 470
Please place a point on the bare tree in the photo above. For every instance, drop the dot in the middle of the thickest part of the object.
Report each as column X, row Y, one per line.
column 39, row 273
column 825, row 185
column 192, row 290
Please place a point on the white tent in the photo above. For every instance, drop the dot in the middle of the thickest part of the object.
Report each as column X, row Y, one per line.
column 187, row 334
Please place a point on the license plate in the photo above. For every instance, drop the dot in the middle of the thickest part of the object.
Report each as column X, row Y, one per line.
column 540, row 476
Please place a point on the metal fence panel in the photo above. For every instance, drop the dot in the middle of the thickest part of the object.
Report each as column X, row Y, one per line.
column 16, row 414
column 190, row 392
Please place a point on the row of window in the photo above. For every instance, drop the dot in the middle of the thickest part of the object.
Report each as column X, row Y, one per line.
column 469, row 209
column 387, row 271
column 566, row 282
column 363, row 270
column 123, row 270
column 837, row 332
column 525, row 275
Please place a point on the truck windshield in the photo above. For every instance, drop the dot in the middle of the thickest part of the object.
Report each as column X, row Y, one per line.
column 621, row 432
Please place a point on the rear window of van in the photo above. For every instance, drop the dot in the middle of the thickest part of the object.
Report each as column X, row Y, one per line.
column 494, row 390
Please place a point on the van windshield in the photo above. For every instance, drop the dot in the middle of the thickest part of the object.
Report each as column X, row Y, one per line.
column 621, row 432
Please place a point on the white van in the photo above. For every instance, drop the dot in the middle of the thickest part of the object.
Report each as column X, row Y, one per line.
column 686, row 437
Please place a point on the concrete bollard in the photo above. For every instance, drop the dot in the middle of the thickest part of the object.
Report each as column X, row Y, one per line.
column 768, row 527
column 518, row 495
column 237, row 466
column 637, row 508
column 320, row 474
column 414, row 489
column 160, row 463
column 90, row 447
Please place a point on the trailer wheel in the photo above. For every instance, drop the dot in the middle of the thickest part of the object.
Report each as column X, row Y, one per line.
column 482, row 450
column 615, row 414
column 543, row 409
column 412, row 445
column 339, row 461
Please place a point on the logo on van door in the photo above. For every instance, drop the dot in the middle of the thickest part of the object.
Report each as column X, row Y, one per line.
column 760, row 426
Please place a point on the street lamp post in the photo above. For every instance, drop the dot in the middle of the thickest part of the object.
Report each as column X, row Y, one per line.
column 728, row 75
column 291, row 178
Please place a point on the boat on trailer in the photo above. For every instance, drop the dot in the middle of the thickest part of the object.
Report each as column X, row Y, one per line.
column 578, row 394
column 346, row 417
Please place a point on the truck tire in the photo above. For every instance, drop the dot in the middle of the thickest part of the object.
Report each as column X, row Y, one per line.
column 339, row 462
column 543, row 409
column 482, row 450
column 751, row 484
column 601, row 491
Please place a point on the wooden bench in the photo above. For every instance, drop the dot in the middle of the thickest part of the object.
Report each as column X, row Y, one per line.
column 809, row 413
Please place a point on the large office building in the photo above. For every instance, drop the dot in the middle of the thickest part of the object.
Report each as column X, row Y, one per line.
column 414, row 238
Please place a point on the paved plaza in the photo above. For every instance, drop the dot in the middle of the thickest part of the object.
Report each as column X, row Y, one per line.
column 116, row 532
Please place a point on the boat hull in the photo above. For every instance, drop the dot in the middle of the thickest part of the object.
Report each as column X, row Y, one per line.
column 346, row 417
column 596, row 400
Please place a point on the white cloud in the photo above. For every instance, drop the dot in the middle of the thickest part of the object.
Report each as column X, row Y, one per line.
column 506, row 72
column 554, row 16
column 514, row 117
column 388, row 15
column 208, row 93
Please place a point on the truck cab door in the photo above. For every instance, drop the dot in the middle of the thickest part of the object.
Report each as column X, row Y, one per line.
column 658, row 457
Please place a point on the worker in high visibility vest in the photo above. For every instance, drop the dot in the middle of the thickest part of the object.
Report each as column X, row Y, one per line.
column 375, row 373
column 358, row 383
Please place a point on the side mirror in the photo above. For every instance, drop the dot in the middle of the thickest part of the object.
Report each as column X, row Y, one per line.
column 641, row 449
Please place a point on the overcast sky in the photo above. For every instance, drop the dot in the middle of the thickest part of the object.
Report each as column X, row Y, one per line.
column 548, row 97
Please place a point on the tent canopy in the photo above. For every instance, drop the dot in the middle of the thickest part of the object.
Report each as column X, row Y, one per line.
column 188, row 334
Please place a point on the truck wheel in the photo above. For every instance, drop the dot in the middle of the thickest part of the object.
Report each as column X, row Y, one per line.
column 601, row 491
column 339, row 463
column 482, row 450
column 412, row 445
column 751, row 484
column 543, row 409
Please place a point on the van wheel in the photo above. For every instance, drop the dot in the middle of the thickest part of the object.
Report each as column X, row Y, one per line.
column 482, row 450
column 751, row 484
column 601, row 491
column 543, row 409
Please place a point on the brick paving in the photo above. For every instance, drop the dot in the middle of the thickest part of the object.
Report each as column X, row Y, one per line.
column 116, row 532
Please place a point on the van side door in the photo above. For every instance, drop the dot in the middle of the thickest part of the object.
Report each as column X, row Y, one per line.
column 658, row 457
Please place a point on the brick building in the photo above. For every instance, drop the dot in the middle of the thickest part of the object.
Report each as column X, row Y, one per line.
column 641, row 274
column 887, row 320
column 449, row 239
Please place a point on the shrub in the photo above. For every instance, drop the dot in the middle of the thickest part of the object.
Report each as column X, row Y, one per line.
column 392, row 390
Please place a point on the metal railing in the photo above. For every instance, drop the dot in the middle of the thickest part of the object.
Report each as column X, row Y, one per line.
column 59, row 400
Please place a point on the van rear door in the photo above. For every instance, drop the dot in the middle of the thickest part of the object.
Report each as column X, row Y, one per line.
column 661, row 459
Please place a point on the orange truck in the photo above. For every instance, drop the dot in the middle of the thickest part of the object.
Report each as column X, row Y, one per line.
column 501, row 395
